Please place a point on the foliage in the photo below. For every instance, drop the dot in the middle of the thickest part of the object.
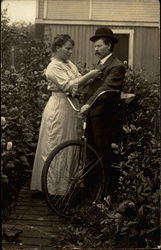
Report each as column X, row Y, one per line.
column 129, row 216
column 23, row 96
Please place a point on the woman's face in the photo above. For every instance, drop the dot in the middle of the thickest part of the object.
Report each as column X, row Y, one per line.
column 65, row 51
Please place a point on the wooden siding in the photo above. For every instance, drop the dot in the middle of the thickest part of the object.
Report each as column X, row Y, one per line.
column 146, row 50
column 109, row 10
column 84, row 49
column 126, row 10
column 64, row 9
column 146, row 45
column 41, row 9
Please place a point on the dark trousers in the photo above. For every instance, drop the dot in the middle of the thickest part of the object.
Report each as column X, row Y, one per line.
column 101, row 131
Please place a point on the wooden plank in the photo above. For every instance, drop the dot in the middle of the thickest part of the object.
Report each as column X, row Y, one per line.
column 37, row 223
column 33, row 241
column 125, row 10
column 30, row 222
column 33, row 217
column 70, row 9
column 23, row 205
column 33, row 212
column 31, row 203
column 26, row 193
column 11, row 246
column 33, row 233
column 29, row 200
column 56, row 226
column 41, row 202
column 27, row 227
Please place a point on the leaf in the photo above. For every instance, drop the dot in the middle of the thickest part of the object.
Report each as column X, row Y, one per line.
column 4, row 178
column 133, row 127
column 79, row 243
column 141, row 212
column 10, row 165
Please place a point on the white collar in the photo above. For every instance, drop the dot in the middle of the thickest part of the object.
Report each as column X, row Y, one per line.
column 103, row 60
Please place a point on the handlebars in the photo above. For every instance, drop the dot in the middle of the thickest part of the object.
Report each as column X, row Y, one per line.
column 125, row 98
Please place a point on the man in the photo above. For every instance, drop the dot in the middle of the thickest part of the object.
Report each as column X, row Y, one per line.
column 103, row 118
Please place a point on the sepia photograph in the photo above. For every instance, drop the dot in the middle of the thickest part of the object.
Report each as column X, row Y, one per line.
column 80, row 124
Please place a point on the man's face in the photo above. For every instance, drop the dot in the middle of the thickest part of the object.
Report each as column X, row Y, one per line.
column 101, row 49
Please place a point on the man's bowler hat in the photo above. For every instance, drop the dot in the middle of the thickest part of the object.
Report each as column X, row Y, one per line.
column 104, row 32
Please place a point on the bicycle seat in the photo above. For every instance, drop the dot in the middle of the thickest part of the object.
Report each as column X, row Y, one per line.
column 127, row 98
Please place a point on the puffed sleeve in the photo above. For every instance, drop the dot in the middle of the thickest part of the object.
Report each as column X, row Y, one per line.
column 65, row 80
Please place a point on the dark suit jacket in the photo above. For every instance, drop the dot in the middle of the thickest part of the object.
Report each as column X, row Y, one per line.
column 113, row 73
column 103, row 122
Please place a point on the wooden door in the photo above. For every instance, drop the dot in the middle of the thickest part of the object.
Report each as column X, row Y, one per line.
column 122, row 47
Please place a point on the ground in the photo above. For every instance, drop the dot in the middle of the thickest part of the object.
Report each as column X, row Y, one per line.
column 32, row 225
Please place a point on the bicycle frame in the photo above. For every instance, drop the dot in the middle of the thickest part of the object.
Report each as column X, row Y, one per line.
column 124, row 98
column 85, row 183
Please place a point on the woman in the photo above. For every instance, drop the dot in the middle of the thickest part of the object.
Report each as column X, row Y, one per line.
column 59, row 121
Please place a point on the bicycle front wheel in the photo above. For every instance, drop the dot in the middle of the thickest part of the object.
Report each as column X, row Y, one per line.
column 72, row 178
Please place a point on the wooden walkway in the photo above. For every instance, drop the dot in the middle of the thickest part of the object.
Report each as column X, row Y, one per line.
column 32, row 225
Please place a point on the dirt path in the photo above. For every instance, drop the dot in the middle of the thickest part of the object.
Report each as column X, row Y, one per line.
column 32, row 225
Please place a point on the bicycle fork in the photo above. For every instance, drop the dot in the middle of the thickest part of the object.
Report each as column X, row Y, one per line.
column 84, row 140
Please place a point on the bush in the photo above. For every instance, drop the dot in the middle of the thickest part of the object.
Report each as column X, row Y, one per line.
column 23, row 94
column 129, row 217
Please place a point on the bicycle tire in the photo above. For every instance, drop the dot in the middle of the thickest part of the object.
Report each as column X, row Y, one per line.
column 92, row 177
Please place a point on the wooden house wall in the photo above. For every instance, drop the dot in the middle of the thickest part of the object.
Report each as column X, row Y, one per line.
column 84, row 49
column 109, row 10
column 145, row 51
column 126, row 10
column 80, row 18
column 40, row 8
column 68, row 10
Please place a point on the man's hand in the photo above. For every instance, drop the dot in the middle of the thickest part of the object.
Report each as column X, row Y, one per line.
column 84, row 109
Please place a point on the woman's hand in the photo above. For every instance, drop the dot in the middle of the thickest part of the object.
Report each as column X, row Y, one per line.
column 91, row 75
column 95, row 73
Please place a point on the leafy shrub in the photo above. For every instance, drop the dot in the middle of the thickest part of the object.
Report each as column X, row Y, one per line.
column 129, row 216
column 23, row 96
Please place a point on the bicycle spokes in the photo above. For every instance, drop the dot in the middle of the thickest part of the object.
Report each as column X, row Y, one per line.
column 72, row 177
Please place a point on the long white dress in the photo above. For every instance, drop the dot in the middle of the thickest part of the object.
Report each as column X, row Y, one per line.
column 60, row 122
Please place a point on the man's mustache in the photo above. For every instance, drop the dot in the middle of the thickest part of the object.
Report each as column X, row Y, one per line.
column 97, row 53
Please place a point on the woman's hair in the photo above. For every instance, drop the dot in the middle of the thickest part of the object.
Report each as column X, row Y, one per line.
column 60, row 40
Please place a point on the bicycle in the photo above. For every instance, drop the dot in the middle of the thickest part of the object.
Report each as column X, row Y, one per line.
column 83, row 173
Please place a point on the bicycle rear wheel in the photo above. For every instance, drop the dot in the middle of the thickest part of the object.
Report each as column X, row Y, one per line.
column 68, row 184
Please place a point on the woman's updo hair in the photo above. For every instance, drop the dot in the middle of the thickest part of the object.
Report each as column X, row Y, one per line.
column 60, row 40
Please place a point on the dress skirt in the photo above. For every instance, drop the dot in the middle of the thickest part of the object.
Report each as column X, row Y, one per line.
column 60, row 122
